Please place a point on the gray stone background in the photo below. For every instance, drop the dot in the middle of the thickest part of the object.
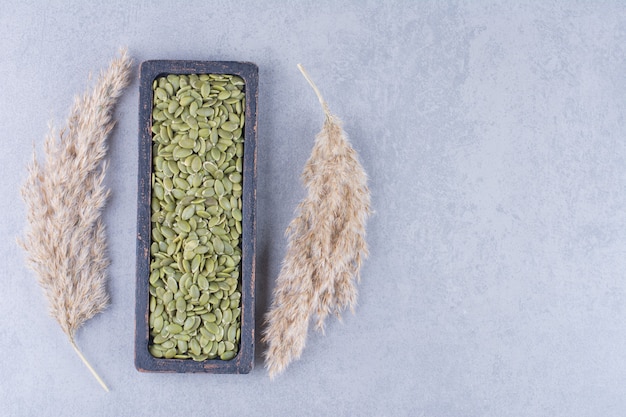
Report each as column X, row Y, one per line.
column 494, row 136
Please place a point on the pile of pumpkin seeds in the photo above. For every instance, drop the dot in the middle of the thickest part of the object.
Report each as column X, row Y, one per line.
column 195, row 286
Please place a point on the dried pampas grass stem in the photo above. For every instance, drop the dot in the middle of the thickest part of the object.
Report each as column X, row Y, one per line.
column 326, row 244
column 64, row 195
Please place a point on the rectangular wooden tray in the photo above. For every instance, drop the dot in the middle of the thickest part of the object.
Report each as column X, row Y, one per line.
column 243, row 362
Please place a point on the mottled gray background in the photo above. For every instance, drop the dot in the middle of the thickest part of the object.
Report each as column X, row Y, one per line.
column 494, row 136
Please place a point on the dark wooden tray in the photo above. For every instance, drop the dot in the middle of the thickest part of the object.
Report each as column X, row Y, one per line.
column 244, row 360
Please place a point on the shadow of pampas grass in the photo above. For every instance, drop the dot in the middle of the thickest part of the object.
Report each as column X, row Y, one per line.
column 65, row 241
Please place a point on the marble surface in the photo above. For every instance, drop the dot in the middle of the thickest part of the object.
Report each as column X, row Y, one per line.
column 494, row 136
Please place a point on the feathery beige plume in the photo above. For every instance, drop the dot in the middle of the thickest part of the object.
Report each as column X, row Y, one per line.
column 64, row 196
column 326, row 244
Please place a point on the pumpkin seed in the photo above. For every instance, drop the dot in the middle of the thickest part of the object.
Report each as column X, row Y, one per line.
column 203, row 283
column 235, row 177
column 157, row 324
column 219, row 188
column 236, row 213
column 228, row 314
column 174, row 328
column 187, row 143
column 155, row 351
column 196, row 216
column 188, row 212
column 180, row 304
column 185, row 101
column 228, row 355
column 194, row 346
column 213, row 352
column 232, row 334
column 199, row 358
column 205, row 89
column 172, row 284
column 170, row 353
column 204, row 298
column 194, row 292
column 230, row 126
column 192, row 122
column 212, row 327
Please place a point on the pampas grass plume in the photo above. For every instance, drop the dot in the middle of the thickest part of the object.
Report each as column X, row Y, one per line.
column 64, row 195
column 326, row 245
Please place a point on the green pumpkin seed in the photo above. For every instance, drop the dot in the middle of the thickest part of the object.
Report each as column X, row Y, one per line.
column 194, row 346
column 205, row 89
column 204, row 298
column 218, row 316
column 188, row 212
column 227, row 316
column 187, row 143
column 212, row 327
column 219, row 188
column 196, row 215
column 185, row 101
column 167, row 297
column 196, row 164
column 192, row 122
column 174, row 328
column 204, row 343
column 223, row 95
column 180, row 304
column 189, row 322
column 195, row 263
column 201, row 250
column 181, row 346
column 224, row 134
column 236, row 213
column 232, row 334
column 215, row 153
column 229, row 126
column 172, row 284
column 204, row 332
column 157, row 324
column 228, row 355
column 158, row 310
column 180, row 153
column 213, row 352
column 194, row 291
column 218, row 230
column 203, row 214
column 199, row 358
column 193, row 109
column 161, row 94
column 184, row 226
column 203, row 283
column 235, row 177
column 155, row 351
column 218, row 245
column 172, row 106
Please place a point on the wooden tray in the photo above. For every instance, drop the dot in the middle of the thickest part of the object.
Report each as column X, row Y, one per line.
column 243, row 362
